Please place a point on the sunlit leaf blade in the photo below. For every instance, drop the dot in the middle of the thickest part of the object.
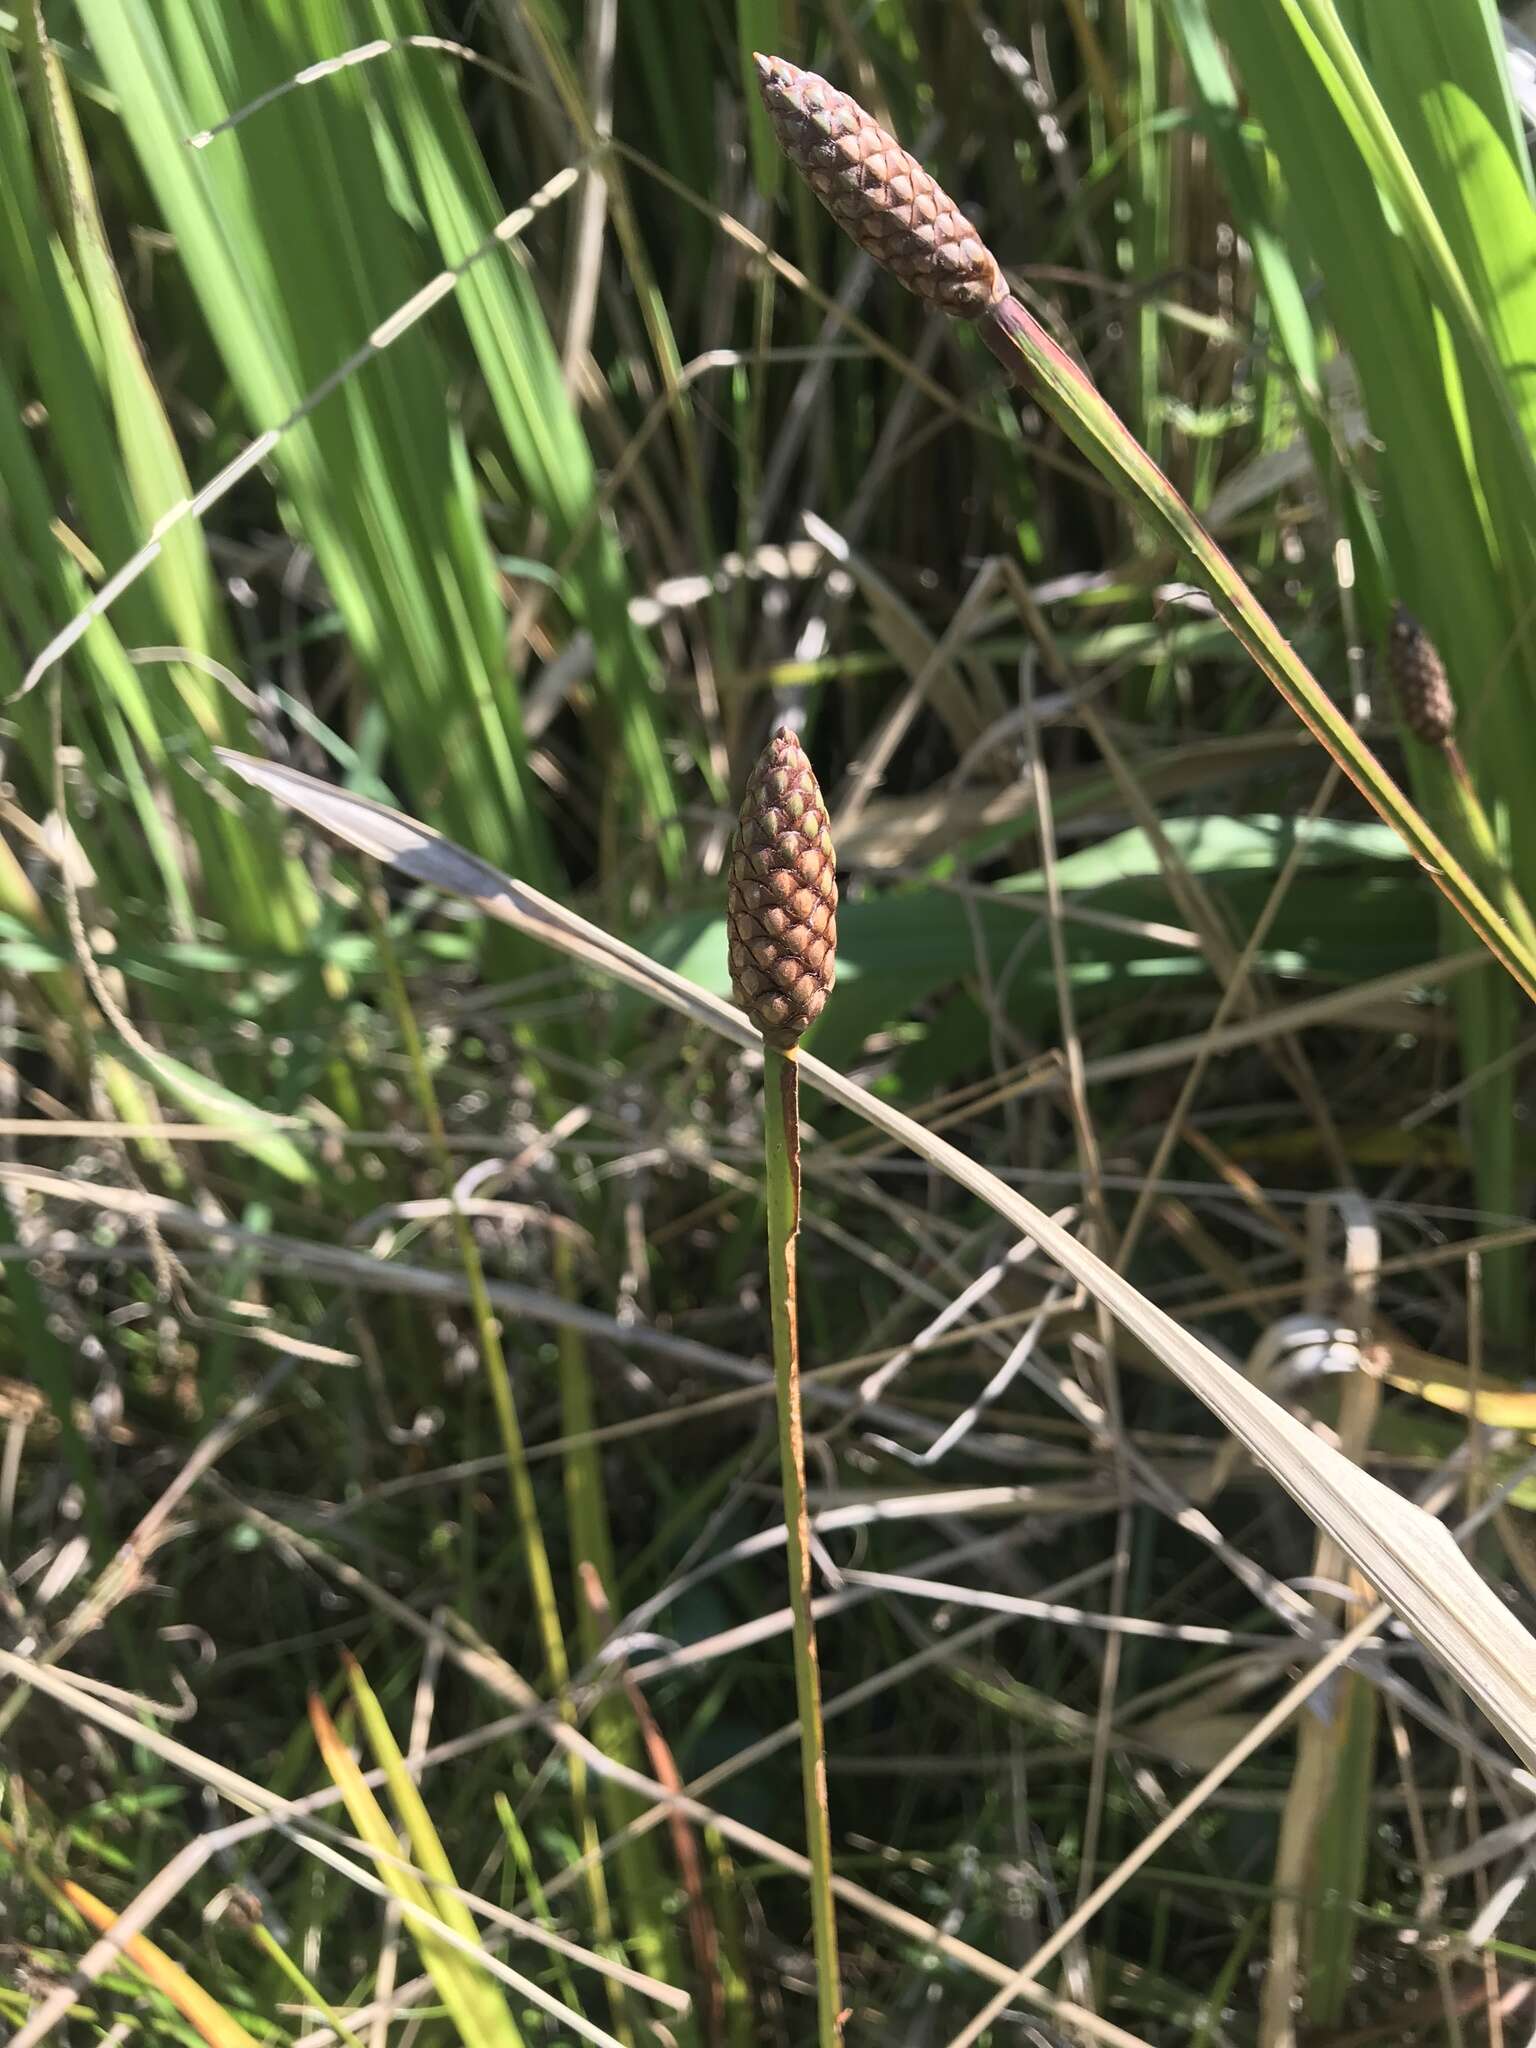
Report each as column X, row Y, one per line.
column 259, row 1135
column 517, row 357
column 402, row 547
column 1438, row 439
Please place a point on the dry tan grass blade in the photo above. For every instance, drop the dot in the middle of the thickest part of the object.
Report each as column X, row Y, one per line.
column 1406, row 1554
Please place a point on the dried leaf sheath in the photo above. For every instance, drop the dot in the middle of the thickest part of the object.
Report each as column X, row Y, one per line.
column 781, row 904
column 879, row 193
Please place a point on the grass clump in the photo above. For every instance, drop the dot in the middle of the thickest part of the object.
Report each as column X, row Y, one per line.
column 456, row 425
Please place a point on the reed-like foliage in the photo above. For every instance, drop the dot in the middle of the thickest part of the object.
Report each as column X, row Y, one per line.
column 1405, row 189
column 494, row 428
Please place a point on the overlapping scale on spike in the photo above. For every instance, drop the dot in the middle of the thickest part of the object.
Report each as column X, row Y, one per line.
column 879, row 193
column 1419, row 678
column 781, row 903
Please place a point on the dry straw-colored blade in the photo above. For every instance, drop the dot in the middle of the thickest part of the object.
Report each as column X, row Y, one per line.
column 220, row 2029
column 1405, row 1553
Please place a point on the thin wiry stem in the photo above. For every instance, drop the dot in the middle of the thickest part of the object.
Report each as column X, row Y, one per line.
column 781, row 1150
column 488, row 1330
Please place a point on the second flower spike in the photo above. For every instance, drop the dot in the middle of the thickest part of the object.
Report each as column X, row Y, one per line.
column 879, row 193
column 1419, row 677
column 781, row 904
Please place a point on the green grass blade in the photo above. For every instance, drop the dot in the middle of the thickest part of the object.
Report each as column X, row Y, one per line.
column 522, row 371
column 642, row 1880
column 477, row 2008
column 759, row 26
column 1440, row 441
column 401, row 547
column 1341, row 69
column 117, row 451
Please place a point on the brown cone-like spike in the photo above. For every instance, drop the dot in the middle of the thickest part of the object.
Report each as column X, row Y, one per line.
column 878, row 193
column 781, row 904
column 1418, row 676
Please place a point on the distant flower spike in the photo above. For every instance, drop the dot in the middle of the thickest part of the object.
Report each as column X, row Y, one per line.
column 1419, row 677
column 781, row 904
column 878, row 193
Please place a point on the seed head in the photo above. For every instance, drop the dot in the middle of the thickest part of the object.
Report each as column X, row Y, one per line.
column 1418, row 675
column 878, row 193
column 781, row 904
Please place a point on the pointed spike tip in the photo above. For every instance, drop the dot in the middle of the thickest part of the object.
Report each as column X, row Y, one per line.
column 781, row 900
column 878, row 193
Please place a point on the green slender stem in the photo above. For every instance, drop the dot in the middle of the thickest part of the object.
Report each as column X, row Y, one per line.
column 612, row 1724
column 524, row 1503
column 1483, row 843
column 264, row 1939
column 1022, row 345
column 525, row 1506
column 781, row 1145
